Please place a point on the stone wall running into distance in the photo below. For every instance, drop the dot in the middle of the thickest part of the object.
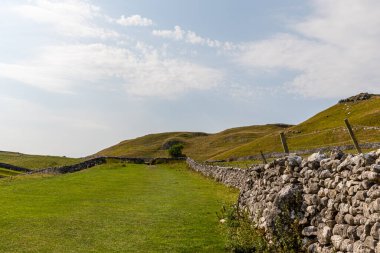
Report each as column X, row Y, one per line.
column 14, row 168
column 91, row 163
column 75, row 167
column 334, row 198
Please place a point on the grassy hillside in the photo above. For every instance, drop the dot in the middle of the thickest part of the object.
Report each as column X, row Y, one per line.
column 197, row 145
column 324, row 129
column 36, row 161
column 113, row 208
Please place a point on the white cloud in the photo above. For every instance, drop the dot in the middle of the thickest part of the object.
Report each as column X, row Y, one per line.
column 176, row 34
column 335, row 51
column 141, row 72
column 191, row 37
column 134, row 20
column 113, row 64
column 69, row 17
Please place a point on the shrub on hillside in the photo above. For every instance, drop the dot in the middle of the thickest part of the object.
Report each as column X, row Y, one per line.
column 175, row 151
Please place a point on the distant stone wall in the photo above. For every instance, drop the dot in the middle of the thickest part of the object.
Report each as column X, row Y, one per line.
column 150, row 161
column 14, row 168
column 75, row 167
column 335, row 199
column 91, row 163
column 102, row 160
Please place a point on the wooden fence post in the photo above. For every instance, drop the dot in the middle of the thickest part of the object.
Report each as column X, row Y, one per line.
column 263, row 156
column 284, row 144
column 354, row 140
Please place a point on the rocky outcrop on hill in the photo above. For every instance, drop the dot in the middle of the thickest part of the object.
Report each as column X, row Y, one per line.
column 334, row 199
column 359, row 97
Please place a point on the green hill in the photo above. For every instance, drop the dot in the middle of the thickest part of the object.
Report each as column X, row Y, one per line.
column 36, row 161
column 324, row 129
column 197, row 145
column 327, row 128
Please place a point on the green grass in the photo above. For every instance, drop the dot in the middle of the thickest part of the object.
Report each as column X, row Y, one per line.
column 111, row 208
column 36, row 161
column 7, row 173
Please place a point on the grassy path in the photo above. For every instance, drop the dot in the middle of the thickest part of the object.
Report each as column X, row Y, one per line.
column 111, row 208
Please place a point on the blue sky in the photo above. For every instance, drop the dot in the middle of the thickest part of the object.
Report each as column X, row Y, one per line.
column 77, row 76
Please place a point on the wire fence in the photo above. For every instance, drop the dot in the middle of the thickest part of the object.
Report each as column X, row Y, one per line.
column 365, row 142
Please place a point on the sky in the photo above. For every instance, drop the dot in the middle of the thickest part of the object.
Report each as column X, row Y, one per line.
column 77, row 76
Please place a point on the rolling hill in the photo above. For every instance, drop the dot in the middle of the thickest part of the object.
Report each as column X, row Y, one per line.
column 324, row 129
column 198, row 145
column 36, row 161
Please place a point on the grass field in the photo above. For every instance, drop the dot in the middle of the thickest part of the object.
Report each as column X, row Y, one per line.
column 113, row 208
column 36, row 161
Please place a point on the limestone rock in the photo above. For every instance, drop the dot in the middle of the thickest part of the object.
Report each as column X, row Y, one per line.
column 336, row 241
column 375, row 231
column 324, row 235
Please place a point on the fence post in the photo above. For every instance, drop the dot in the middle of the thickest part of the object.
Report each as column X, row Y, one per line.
column 263, row 157
column 284, row 144
column 354, row 140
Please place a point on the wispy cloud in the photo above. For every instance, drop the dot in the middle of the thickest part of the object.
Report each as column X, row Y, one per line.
column 134, row 20
column 68, row 17
column 93, row 62
column 191, row 37
column 335, row 51
column 142, row 72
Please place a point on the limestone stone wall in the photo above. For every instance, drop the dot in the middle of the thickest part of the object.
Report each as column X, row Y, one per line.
column 15, row 168
column 75, row 167
column 335, row 199
column 91, row 163
column 234, row 177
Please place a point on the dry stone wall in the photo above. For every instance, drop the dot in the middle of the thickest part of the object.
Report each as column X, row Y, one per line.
column 75, row 167
column 91, row 163
column 234, row 177
column 335, row 199
column 14, row 168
